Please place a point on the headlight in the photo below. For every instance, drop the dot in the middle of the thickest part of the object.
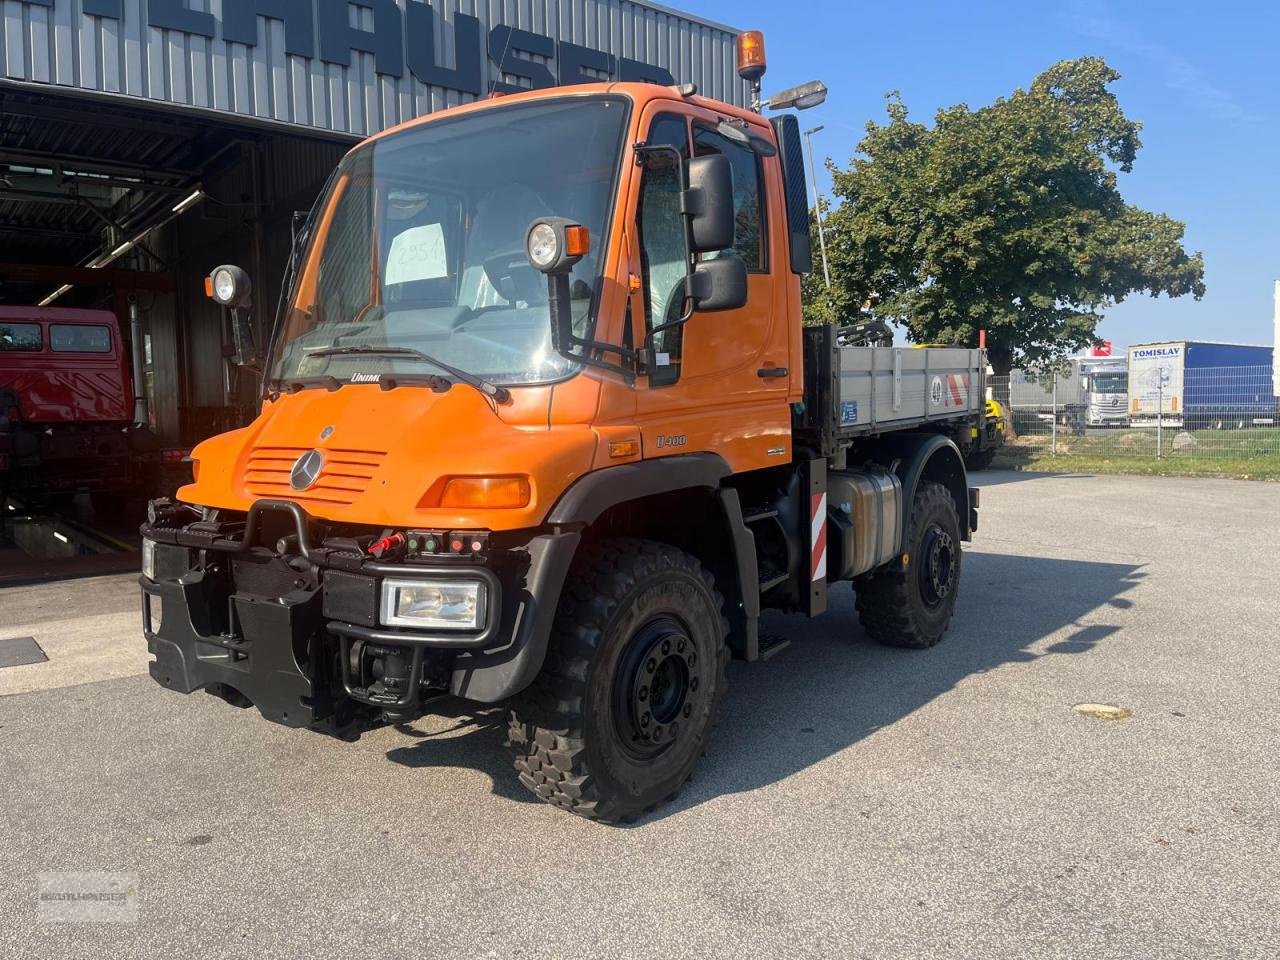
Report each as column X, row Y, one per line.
column 228, row 286
column 439, row 604
column 554, row 245
column 224, row 286
column 544, row 245
column 149, row 559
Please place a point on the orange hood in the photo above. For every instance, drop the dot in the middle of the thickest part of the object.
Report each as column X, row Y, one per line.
column 384, row 450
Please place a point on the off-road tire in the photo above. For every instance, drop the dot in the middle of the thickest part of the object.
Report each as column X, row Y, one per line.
column 893, row 605
column 569, row 745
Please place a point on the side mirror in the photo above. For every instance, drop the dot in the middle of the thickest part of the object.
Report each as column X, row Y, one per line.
column 708, row 203
column 719, row 284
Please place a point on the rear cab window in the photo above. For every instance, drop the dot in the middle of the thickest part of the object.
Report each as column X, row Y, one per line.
column 79, row 338
column 20, row 337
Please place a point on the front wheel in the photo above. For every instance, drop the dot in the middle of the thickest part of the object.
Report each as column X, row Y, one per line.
column 913, row 607
column 632, row 684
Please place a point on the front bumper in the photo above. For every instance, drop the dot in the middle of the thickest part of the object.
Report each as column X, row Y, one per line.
column 295, row 634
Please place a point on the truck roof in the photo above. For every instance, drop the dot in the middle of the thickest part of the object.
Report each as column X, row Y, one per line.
column 56, row 314
column 641, row 93
column 1203, row 343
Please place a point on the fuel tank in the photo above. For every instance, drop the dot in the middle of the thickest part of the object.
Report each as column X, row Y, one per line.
column 864, row 512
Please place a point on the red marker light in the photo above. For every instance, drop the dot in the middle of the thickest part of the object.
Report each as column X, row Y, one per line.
column 456, row 546
column 476, row 546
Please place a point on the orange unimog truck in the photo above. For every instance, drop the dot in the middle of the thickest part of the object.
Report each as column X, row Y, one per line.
column 541, row 426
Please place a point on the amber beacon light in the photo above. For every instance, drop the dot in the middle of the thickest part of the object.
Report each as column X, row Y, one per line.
column 751, row 62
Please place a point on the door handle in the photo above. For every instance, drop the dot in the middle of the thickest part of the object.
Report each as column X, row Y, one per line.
column 769, row 372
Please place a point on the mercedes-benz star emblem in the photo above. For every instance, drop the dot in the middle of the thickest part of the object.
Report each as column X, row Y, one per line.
column 306, row 470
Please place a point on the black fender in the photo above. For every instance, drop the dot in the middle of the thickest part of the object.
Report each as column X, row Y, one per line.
column 738, row 577
column 918, row 457
column 594, row 493
column 532, row 594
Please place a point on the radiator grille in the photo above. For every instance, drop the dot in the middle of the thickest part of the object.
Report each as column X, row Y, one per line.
column 345, row 476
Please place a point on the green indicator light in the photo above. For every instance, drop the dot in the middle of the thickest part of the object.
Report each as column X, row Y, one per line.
column 413, row 544
column 430, row 544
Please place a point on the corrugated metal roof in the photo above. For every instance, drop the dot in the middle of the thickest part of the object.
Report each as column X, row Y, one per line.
column 59, row 164
column 57, row 44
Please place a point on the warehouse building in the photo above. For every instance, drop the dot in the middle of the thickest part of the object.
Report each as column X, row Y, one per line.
column 143, row 142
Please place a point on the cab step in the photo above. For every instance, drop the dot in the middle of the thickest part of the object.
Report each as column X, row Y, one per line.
column 770, row 579
column 770, row 644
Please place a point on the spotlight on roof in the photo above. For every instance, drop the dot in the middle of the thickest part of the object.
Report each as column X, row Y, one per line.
column 801, row 98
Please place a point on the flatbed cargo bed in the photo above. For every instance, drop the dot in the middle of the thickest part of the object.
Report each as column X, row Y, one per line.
column 861, row 391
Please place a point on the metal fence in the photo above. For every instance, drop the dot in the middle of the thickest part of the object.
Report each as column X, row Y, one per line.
column 1220, row 414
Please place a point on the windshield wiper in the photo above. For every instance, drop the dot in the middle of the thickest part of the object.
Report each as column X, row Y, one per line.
column 499, row 394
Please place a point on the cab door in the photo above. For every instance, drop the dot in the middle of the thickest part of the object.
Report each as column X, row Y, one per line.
column 720, row 382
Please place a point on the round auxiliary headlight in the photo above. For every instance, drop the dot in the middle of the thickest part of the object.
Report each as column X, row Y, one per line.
column 224, row 285
column 544, row 245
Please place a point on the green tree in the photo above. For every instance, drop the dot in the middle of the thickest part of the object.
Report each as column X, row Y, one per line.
column 1006, row 218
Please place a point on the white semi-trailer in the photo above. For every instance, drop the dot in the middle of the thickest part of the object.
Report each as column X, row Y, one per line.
column 1201, row 385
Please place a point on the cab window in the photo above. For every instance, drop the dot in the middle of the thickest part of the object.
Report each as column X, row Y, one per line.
column 748, row 194
column 79, row 338
column 420, row 244
column 20, row 337
column 662, row 244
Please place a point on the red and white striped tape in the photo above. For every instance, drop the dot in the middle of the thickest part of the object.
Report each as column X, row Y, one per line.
column 818, row 531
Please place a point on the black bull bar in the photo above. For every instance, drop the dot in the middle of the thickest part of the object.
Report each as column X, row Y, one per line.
column 288, row 650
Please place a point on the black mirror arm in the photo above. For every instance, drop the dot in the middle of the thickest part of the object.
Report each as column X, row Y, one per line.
column 645, row 353
column 246, row 354
column 564, row 340
column 643, row 152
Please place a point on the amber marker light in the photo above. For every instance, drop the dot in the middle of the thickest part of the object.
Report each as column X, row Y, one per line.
column 751, row 62
column 623, row 448
column 499, row 493
column 577, row 241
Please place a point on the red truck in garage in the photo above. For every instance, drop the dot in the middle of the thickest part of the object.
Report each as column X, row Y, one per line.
column 66, row 405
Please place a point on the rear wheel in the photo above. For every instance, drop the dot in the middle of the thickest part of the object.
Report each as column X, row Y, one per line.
column 913, row 607
column 632, row 685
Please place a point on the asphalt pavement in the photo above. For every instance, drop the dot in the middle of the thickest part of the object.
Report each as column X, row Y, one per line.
column 857, row 801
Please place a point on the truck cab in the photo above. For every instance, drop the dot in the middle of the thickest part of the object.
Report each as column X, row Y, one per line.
column 540, row 425
column 65, row 401
column 1104, row 386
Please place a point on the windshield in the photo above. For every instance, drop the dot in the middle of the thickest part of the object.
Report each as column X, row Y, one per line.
column 420, row 246
column 1109, row 382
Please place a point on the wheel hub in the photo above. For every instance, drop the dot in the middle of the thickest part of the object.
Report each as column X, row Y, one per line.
column 939, row 562
column 657, row 686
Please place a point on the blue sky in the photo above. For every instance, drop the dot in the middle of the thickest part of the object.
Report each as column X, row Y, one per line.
column 1204, row 79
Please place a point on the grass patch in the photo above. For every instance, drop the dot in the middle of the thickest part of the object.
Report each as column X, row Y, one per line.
column 1113, row 455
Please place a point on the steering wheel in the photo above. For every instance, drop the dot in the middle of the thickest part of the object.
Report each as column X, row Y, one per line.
column 515, row 278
